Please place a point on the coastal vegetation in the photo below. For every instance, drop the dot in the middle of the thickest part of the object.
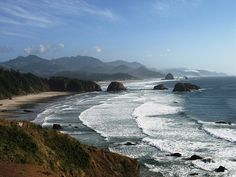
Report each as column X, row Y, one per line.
column 13, row 83
column 24, row 143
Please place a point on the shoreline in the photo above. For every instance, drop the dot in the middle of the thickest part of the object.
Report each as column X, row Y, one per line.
column 27, row 107
column 20, row 106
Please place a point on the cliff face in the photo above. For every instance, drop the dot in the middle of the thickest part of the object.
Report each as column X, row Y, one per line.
column 13, row 83
column 35, row 149
column 72, row 85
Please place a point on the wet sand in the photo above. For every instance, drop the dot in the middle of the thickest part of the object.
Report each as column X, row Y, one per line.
column 23, row 107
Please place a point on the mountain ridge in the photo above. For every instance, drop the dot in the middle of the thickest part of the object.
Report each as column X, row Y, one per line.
column 81, row 64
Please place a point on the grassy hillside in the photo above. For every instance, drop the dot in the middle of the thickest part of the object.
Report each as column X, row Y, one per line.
column 14, row 83
column 23, row 143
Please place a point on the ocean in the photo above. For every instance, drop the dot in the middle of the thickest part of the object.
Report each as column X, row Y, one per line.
column 156, row 124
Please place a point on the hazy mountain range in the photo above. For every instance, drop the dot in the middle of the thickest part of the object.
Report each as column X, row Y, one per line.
column 82, row 67
column 90, row 68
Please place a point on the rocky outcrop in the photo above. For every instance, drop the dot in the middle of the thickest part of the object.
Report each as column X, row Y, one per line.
column 195, row 157
column 175, row 155
column 160, row 87
column 115, row 87
column 223, row 122
column 185, row 87
column 169, row 76
column 220, row 169
column 36, row 149
column 72, row 85
column 56, row 127
column 129, row 143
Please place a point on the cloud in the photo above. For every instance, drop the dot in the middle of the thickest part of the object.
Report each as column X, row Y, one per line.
column 47, row 13
column 43, row 49
column 165, row 7
column 98, row 49
column 8, row 33
column 19, row 14
column 5, row 50
column 61, row 45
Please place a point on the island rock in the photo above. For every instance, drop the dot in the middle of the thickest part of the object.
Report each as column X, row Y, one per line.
column 175, row 155
column 115, row 87
column 169, row 76
column 220, row 169
column 185, row 87
column 195, row 157
column 160, row 87
column 223, row 122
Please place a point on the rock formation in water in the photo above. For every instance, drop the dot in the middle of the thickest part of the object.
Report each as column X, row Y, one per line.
column 195, row 157
column 185, row 87
column 169, row 76
column 220, row 169
column 160, row 87
column 115, row 86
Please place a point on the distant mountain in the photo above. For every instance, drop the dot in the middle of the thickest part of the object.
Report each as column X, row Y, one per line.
column 78, row 63
column 180, row 72
column 82, row 67
column 143, row 72
column 33, row 64
column 117, row 63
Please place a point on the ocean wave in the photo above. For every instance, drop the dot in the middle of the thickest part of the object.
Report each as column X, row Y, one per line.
column 113, row 118
column 223, row 131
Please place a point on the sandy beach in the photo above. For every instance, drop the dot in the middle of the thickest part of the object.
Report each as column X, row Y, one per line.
column 10, row 107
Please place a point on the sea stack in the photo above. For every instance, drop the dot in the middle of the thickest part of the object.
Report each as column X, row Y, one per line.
column 185, row 87
column 160, row 87
column 169, row 76
column 115, row 87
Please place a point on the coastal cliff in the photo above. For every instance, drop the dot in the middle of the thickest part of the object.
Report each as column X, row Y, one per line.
column 14, row 83
column 29, row 149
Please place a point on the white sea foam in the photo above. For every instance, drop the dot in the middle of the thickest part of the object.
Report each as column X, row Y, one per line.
column 153, row 109
column 227, row 132
column 173, row 170
column 113, row 118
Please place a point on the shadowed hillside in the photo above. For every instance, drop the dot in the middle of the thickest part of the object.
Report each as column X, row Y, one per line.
column 13, row 83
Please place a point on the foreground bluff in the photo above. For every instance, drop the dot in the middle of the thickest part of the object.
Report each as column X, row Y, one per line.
column 35, row 151
column 115, row 87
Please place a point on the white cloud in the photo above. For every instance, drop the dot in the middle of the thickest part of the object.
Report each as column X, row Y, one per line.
column 46, row 13
column 98, row 49
column 8, row 33
column 28, row 50
column 61, row 45
column 43, row 49
column 165, row 7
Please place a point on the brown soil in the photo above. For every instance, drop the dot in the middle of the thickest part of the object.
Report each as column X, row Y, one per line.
column 23, row 170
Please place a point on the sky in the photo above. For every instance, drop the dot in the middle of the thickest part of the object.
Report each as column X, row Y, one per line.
column 196, row 34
